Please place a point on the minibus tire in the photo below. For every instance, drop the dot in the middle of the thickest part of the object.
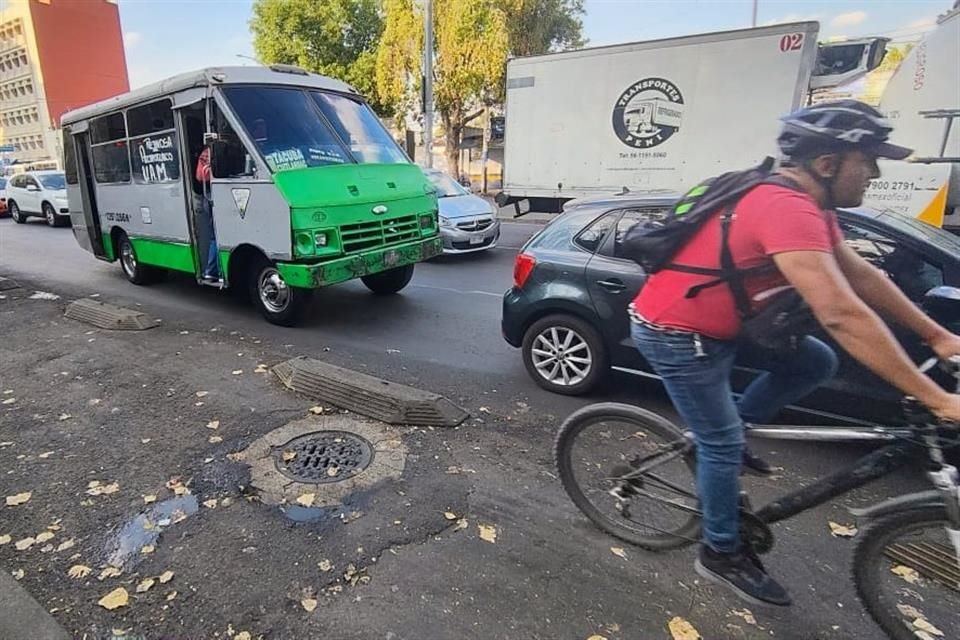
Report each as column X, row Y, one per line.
column 135, row 271
column 297, row 299
column 389, row 282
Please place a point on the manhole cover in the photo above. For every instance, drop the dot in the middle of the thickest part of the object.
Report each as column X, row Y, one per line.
column 327, row 456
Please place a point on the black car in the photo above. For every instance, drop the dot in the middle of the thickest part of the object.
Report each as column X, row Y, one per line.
column 572, row 287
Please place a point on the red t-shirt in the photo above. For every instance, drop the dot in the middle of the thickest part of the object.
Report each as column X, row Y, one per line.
column 770, row 219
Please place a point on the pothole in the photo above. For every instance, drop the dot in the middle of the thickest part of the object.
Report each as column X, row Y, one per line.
column 324, row 456
column 125, row 548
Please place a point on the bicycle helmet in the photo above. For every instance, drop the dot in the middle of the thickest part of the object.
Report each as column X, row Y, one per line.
column 831, row 127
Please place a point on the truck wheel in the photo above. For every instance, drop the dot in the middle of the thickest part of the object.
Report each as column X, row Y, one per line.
column 278, row 302
column 135, row 272
column 388, row 282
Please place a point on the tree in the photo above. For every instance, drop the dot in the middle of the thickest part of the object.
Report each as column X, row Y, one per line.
column 470, row 53
column 336, row 38
column 540, row 26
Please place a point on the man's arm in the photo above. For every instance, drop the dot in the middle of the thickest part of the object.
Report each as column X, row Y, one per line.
column 819, row 279
column 880, row 292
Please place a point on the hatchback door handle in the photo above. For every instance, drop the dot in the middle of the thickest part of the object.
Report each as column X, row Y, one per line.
column 613, row 285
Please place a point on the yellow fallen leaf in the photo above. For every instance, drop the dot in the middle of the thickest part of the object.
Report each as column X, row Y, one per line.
column 243, row 635
column 18, row 574
column 746, row 614
column 66, row 544
column 180, row 490
column 680, row 629
column 597, row 637
column 261, row 368
column 9, row 401
column 43, row 537
column 841, row 530
column 149, row 499
column 78, row 571
column 289, row 455
column 449, row 515
column 332, row 471
column 214, row 439
column 115, row 599
column 907, row 573
column 109, row 572
column 64, row 416
column 309, row 604
column 488, row 533
column 908, row 611
column 316, row 410
column 20, row 498
column 461, row 524
column 93, row 484
column 306, row 499
column 924, row 625
column 113, row 487
column 166, row 577
column 618, row 551
column 179, row 516
column 5, row 539
column 23, row 545
column 237, row 372
column 202, row 394
column 171, row 596
column 210, row 504
column 144, row 440
column 145, row 585
column 147, row 548
column 213, row 424
column 54, row 526
column 46, row 455
column 325, row 565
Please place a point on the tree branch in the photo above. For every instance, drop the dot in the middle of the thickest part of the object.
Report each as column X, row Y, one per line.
column 473, row 116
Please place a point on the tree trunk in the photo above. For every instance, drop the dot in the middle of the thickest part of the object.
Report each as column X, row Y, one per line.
column 452, row 127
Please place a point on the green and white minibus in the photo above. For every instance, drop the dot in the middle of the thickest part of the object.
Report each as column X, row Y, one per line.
column 307, row 187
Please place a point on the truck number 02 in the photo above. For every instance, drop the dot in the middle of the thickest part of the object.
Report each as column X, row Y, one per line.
column 791, row 42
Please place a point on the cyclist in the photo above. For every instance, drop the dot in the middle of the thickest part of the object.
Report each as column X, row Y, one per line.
column 829, row 154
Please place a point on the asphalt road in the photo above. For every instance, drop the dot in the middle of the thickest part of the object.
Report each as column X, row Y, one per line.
column 440, row 334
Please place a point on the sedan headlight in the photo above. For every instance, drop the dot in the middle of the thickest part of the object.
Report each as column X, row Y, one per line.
column 444, row 222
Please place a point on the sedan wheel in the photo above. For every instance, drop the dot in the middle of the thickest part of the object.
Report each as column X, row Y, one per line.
column 564, row 354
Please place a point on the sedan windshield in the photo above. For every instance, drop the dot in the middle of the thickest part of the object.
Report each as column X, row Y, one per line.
column 53, row 181
column 446, row 186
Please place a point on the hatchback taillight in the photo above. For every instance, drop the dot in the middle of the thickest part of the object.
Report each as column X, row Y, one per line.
column 522, row 269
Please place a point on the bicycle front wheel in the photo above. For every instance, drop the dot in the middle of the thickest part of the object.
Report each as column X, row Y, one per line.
column 907, row 575
column 632, row 473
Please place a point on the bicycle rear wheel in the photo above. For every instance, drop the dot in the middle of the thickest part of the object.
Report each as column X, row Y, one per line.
column 908, row 577
column 641, row 456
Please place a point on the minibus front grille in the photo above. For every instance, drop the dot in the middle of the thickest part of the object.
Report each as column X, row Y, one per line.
column 363, row 236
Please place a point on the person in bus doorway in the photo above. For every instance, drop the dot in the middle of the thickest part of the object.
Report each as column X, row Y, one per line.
column 211, row 272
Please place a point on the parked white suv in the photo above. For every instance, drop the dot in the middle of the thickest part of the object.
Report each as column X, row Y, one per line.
column 41, row 194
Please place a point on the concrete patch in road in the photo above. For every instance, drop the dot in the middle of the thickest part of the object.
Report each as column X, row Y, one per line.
column 369, row 396
column 108, row 316
column 268, row 475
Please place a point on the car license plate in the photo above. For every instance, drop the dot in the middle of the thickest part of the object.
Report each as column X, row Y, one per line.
column 477, row 240
column 391, row 258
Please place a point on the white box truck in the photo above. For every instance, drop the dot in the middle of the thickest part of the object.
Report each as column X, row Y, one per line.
column 661, row 115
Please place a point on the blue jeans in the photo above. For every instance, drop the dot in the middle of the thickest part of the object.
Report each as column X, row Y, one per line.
column 697, row 378
column 210, row 267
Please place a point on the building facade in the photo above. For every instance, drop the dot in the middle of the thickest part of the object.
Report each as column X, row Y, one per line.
column 55, row 55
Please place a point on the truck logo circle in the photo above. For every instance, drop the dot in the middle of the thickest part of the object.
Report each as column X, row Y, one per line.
column 648, row 113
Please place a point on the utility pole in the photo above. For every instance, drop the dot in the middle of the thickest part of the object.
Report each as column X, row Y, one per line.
column 755, row 12
column 428, row 84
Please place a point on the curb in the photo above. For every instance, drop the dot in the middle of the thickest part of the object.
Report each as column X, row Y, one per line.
column 23, row 617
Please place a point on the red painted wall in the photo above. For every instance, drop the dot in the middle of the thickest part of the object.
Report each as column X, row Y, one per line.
column 80, row 45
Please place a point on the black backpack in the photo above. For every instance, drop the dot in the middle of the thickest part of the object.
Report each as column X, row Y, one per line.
column 653, row 243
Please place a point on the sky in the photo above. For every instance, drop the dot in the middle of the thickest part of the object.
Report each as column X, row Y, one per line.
column 166, row 37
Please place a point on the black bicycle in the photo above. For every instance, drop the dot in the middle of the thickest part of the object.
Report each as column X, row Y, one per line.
column 631, row 472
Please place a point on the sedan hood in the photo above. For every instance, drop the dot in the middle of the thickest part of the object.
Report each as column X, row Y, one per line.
column 463, row 206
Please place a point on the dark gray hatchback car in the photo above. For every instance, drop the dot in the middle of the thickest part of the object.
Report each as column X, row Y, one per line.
column 567, row 310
